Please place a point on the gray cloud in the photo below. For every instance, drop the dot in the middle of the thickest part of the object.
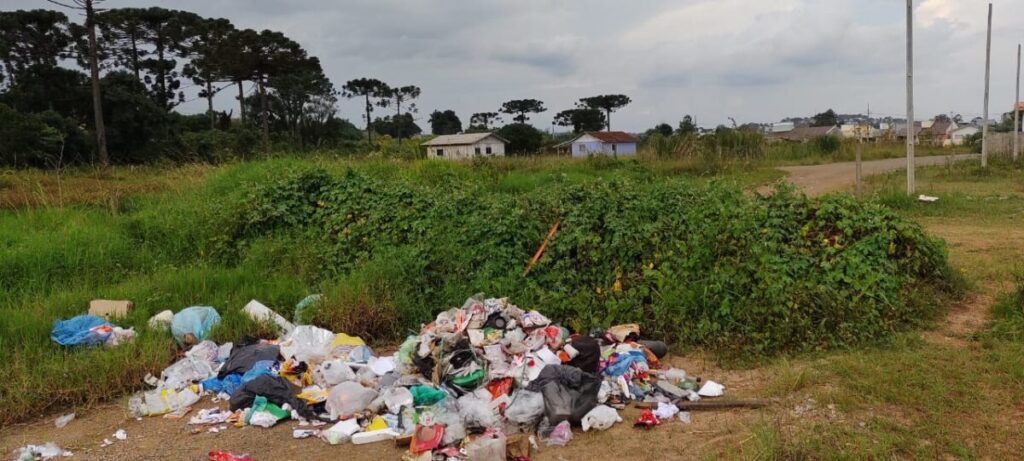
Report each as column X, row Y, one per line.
column 754, row 60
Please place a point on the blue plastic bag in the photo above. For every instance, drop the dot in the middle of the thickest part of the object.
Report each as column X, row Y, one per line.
column 195, row 320
column 228, row 385
column 260, row 368
column 83, row 330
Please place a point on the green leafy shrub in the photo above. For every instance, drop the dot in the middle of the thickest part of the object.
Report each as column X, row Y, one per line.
column 700, row 265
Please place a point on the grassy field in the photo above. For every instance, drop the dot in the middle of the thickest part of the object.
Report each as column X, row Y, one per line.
column 953, row 391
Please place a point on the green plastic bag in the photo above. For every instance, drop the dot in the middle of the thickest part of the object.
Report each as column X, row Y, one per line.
column 426, row 395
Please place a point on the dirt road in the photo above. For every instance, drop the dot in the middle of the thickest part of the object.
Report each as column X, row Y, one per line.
column 830, row 177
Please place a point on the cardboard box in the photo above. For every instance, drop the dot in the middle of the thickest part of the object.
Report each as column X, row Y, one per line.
column 109, row 309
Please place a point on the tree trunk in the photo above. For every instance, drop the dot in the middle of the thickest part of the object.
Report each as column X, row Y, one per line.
column 209, row 103
column 94, row 71
column 161, row 73
column 398, row 127
column 135, row 58
column 241, row 102
column 263, row 116
column 369, row 136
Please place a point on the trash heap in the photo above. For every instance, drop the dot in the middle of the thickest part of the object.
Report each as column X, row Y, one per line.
column 481, row 381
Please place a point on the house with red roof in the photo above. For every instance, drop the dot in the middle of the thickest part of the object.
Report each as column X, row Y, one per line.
column 613, row 143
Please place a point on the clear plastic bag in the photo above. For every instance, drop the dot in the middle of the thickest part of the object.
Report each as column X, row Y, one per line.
column 307, row 343
column 558, row 436
column 206, row 350
column 487, row 448
column 348, row 398
column 527, row 408
column 332, row 373
column 476, row 413
column 397, row 397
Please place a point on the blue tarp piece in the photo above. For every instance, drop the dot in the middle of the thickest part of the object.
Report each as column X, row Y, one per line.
column 83, row 330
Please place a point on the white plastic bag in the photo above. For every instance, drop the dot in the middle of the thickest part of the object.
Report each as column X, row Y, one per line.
column 341, row 432
column 332, row 373
column 348, row 398
column 602, row 417
column 186, row 371
column 206, row 350
column 665, row 411
column 260, row 313
column 161, row 321
column 487, row 448
column 307, row 343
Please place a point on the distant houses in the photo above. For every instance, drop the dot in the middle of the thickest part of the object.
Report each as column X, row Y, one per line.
column 803, row 133
column 464, row 146
column 610, row 143
column 960, row 135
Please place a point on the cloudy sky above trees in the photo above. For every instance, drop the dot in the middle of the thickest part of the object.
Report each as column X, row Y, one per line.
column 754, row 60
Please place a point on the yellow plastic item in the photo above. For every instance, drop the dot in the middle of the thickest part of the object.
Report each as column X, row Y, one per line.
column 341, row 339
column 376, row 424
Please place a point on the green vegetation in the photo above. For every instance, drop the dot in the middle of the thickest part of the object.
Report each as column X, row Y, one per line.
column 948, row 393
column 389, row 243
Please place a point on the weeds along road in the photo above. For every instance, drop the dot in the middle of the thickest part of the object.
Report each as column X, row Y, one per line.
column 830, row 177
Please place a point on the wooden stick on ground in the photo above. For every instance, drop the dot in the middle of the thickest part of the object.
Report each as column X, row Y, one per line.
column 543, row 245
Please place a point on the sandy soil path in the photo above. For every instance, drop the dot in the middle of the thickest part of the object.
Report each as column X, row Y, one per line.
column 830, row 177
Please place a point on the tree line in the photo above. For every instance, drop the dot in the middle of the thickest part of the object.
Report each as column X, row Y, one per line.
column 106, row 90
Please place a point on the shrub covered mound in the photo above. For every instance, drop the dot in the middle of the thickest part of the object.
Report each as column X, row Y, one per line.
column 694, row 264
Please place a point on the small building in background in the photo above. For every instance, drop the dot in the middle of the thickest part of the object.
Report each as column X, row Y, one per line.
column 613, row 143
column 465, row 146
column 959, row 136
column 939, row 132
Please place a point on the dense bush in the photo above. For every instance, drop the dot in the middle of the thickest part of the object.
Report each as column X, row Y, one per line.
column 700, row 265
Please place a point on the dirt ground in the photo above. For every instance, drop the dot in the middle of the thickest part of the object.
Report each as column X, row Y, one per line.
column 711, row 433
column 168, row 439
column 821, row 179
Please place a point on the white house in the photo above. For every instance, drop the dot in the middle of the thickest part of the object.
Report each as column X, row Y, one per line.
column 959, row 136
column 603, row 143
column 463, row 146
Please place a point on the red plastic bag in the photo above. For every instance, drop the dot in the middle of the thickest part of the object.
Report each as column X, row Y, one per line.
column 216, row 455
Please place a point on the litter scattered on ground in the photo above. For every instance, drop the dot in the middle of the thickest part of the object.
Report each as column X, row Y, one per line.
column 927, row 198
column 121, row 435
column 64, row 420
column 480, row 381
column 110, row 309
column 216, row 455
column 36, row 452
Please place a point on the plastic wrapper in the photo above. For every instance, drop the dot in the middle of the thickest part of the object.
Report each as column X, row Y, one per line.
column 559, row 436
column 307, row 343
column 348, row 398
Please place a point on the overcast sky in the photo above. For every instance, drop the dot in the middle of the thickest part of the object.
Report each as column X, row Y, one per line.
column 754, row 60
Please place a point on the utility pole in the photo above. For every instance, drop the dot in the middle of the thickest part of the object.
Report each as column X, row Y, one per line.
column 988, row 63
column 910, row 97
column 1016, row 112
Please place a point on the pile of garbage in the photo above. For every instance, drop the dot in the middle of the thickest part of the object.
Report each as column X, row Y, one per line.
column 481, row 381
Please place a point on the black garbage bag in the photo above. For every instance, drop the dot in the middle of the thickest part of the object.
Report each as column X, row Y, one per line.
column 242, row 358
column 276, row 389
column 588, row 356
column 569, row 393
